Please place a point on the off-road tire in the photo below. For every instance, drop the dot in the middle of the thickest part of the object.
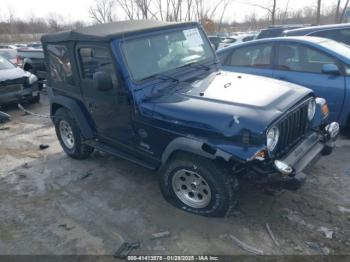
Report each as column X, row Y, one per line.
column 79, row 150
column 222, row 183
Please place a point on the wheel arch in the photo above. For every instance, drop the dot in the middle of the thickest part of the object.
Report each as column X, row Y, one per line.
column 73, row 106
column 194, row 147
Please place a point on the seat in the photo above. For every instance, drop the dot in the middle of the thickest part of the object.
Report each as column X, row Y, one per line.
column 286, row 54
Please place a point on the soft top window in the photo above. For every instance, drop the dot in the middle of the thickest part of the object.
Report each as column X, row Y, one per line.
column 60, row 66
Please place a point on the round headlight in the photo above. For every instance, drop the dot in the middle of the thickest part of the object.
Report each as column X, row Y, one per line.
column 32, row 79
column 311, row 109
column 272, row 138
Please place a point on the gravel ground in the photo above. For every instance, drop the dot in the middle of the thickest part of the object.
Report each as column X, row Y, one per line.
column 51, row 204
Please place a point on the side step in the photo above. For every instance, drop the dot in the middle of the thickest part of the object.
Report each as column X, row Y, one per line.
column 119, row 153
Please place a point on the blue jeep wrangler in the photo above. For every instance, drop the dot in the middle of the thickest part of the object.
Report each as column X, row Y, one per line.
column 153, row 93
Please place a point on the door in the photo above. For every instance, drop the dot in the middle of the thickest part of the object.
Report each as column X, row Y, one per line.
column 110, row 110
column 303, row 65
column 252, row 59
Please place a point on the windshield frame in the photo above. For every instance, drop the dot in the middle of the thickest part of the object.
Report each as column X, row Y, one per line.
column 165, row 31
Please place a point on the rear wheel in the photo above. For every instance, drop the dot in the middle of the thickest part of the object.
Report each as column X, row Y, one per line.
column 69, row 135
column 199, row 185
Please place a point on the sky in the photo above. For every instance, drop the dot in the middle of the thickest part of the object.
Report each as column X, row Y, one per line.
column 72, row 10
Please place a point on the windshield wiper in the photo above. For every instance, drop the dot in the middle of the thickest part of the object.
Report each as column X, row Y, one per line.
column 196, row 64
column 161, row 76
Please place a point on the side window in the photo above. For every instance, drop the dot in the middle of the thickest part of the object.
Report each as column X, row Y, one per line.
column 289, row 58
column 95, row 59
column 302, row 59
column 339, row 35
column 315, row 60
column 252, row 56
column 60, row 66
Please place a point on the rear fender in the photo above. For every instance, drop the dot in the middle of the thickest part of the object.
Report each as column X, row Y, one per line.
column 57, row 101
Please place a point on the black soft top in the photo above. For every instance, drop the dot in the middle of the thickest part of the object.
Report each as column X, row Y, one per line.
column 106, row 32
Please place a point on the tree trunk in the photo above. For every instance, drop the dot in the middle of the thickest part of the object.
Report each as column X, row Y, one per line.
column 336, row 19
column 344, row 11
column 273, row 13
column 318, row 12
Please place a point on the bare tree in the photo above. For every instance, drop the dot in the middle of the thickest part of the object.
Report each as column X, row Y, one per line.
column 129, row 8
column 272, row 10
column 144, row 8
column 102, row 11
column 55, row 22
column 337, row 10
column 344, row 11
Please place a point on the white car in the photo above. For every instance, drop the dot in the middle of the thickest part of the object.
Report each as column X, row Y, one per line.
column 237, row 39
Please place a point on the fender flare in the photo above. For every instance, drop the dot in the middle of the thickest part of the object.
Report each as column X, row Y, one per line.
column 77, row 112
column 193, row 146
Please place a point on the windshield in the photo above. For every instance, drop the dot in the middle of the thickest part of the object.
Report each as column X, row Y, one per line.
column 8, row 54
column 157, row 54
column 5, row 64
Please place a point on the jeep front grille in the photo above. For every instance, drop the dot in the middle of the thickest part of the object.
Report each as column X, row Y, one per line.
column 293, row 126
column 10, row 88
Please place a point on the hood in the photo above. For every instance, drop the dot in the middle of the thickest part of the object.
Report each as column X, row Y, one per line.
column 227, row 103
column 12, row 75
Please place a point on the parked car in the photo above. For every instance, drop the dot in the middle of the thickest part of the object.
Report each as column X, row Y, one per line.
column 337, row 32
column 153, row 93
column 215, row 41
column 9, row 54
column 16, row 84
column 227, row 42
column 276, row 31
column 35, row 45
column 237, row 39
column 320, row 64
column 32, row 60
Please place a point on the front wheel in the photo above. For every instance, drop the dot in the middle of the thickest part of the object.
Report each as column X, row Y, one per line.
column 69, row 135
column 199, row 185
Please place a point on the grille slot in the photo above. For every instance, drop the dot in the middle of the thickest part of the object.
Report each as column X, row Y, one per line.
column 10, row 88
column 293, row 126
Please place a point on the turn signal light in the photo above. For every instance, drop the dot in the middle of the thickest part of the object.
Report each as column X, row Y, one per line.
column 261, row 155
column 325, row 110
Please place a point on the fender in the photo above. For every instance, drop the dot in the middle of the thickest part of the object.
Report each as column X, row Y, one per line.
column 196, row 147
column 74, row 107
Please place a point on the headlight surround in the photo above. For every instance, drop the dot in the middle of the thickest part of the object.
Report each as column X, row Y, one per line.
column 272, row 137
column 32, row 79
column 311, row 109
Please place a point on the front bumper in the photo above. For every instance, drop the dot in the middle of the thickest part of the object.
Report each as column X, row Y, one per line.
column 288, row 171
column 18, row 95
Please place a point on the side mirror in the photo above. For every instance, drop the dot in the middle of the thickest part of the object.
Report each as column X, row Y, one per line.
column 330, row 69
column 102, row 81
